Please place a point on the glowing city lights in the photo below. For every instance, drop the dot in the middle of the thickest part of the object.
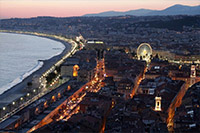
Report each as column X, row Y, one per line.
column 144, row 52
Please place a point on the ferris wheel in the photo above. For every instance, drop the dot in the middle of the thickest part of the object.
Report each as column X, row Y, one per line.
column 144, row 52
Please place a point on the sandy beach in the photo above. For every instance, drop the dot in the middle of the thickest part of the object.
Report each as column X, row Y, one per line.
column 17, row 89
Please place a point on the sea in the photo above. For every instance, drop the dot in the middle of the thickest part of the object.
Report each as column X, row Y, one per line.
column 20, row 55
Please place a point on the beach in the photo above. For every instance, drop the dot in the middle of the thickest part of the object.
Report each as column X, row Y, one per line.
column 17, row 89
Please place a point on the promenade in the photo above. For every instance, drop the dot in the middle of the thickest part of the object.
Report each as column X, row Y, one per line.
column 17, row 91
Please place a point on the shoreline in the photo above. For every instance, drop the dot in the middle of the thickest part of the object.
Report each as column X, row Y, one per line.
column 21, row 77
column 47, row 63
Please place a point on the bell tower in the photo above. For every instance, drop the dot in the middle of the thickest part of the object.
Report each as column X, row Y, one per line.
column 158, row 103
column 192, row 74
column 193, row 71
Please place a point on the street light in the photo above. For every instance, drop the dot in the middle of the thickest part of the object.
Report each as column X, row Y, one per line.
column 28, row 94
column 34, row 90
column 13, row 103
column 4, row 108
column 21, row 98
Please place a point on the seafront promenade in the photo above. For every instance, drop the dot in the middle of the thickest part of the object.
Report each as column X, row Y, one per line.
column 16, row 98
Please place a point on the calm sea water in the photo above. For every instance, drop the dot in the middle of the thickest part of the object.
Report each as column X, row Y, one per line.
column 19, row 55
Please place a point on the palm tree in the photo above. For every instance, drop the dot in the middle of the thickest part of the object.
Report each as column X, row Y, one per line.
column 29, row 84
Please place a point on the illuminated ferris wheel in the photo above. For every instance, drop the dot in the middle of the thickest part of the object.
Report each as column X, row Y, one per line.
column 144, row 52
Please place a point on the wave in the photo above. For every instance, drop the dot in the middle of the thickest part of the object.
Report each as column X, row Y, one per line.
column 26, row 74
column 56, row 52
column 21, row 78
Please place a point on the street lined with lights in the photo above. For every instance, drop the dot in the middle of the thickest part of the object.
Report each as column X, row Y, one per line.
column 71, row 103
column 42, row 79
column 176, row 102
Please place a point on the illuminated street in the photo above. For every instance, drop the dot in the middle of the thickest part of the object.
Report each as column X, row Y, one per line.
column 116, row 71
column 54, row 84
column 137, row 83
column 176, row 102
column 70, row 104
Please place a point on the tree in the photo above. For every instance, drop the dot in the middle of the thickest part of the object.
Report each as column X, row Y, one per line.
column 151, row 56
column 58, row 69
column 140, row 57
column 50, row 77
column 29, row 84
column 157, row 56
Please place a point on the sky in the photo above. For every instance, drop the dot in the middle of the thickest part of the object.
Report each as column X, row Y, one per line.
column 68, row 8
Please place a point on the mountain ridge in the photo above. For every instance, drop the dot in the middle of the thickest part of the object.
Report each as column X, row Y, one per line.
column 177, row 9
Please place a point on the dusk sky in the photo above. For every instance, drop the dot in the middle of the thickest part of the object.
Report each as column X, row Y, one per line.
column 66, row 8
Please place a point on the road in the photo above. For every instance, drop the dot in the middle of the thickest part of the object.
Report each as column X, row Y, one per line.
column 176, row 102
column 137, row 82
column 44, row 75
column 70, row 106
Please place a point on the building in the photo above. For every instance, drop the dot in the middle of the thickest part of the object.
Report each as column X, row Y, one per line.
column 158, row 103
column 69, row 66
column 94, row 44
column 125, row 87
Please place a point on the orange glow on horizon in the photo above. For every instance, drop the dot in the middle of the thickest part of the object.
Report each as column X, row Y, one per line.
column 66, row 8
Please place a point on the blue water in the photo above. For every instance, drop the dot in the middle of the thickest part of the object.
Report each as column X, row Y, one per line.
column 19, row 55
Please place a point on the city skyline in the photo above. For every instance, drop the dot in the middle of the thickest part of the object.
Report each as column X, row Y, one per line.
column 69, row 8
column 135, row 71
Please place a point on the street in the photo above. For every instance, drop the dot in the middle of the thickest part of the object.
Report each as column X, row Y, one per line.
column 70, row 105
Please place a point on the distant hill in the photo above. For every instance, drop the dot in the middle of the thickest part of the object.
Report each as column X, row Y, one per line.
column 173, row 10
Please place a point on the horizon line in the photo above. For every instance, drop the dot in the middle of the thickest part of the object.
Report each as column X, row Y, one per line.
column 96, row 13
